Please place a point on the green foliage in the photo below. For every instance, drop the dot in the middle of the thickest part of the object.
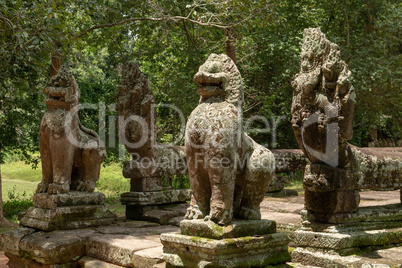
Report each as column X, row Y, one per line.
column 170, row 39
column 16, row 203
column 177, row 181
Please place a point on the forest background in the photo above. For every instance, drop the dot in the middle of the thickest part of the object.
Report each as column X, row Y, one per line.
column 170, row 39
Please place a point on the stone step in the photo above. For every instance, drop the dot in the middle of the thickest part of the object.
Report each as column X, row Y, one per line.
column 127, row 246
column 381, row 258
column 88, row 262
column 117, row 249
column 148, row 258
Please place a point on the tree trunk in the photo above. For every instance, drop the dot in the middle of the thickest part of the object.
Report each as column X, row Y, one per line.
column 56, row 64
column 230, row 44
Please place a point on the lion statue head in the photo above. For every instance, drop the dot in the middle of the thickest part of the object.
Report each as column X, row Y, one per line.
column 63, row 92
column 219, row 77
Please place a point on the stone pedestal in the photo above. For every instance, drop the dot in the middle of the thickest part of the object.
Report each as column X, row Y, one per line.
column 155, row 206
column 147, row 200
column 242, row 244
column 26, row 247
column 334, row 244
column 72, row 210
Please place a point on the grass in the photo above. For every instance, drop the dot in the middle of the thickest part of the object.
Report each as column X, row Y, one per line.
column 296, row 185
column 19, row 182
column 294, row 181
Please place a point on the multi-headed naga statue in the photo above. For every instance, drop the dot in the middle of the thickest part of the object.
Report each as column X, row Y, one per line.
column 322, row 114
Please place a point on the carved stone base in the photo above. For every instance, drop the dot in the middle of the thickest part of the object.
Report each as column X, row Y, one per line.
column 156, row 197
column 27, row 247
column 265, row 247
column 67, row 211
column 339, row 201
column 387, row 213
column 241, row 228
column 157, row 206
column 334, row 244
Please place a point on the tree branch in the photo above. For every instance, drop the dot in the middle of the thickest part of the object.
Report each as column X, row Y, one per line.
column 171, row 18
column 7, row 21
column 115, row 24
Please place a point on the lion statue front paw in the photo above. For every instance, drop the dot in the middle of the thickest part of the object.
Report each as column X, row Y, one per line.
column 42, row 188
column 57, row 188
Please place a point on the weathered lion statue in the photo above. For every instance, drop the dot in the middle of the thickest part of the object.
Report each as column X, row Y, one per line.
column 229, row 172
column 71, row 154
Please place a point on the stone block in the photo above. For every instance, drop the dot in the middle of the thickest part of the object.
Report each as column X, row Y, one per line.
column 88, row 262
column 117, row 249
column 160, row 216
column 73, row 198
column 328, row 203
column 158, row 213
column 241, row 228
column 10, row 241
column 18, row 262
column 65, row 218
column 338, row 241
column 289, row 160
column 146, row 184
column 384, row 258
column 375, row 173
column 190, row 251
column 155, row 198
column 176, row 221
column 176, row 165
column 147, row 258
column 55, row 247
column 392, row 212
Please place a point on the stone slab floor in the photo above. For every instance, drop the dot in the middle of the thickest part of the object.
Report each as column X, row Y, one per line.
column 133, row 243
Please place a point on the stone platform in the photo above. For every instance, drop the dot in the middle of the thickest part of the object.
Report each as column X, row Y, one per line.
column 242, row 244
column 156, row 206
column 124, row 244
column 72, row 210
column 347, row 236
column 145, row 248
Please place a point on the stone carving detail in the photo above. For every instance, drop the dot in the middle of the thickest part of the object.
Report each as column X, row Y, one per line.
column 150, row 160
column 136, row 106
column 229, row 172
column 322, row 113
column 324, row 95
column 136, row 101
column 71, row 154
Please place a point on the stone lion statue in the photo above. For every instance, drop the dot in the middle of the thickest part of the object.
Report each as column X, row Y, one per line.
column 229, row 172
column 71, row 154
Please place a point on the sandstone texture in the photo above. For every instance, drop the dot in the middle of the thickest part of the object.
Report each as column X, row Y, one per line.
column 190, row 251
column 216, row 145
column 137, row 130
column 155, row 198
column 209, row 229
column 71, row 154
column 322, row 115
column 72, row 210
